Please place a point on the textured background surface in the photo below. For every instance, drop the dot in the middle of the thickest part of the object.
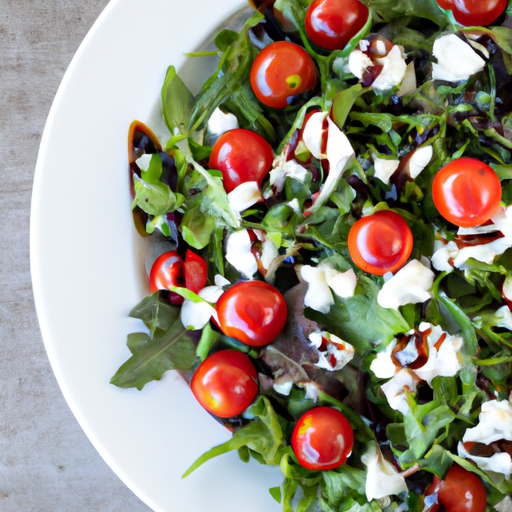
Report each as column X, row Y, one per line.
column 46, row 462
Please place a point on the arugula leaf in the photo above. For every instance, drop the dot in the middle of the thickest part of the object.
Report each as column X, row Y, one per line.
column 197, row 228
column 152, row 356
column 177, row 102
column 263, row 435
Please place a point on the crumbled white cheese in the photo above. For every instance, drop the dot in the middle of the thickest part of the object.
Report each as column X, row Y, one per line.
column 282, row 168
column 342, row 351
column 143, row 161
column 409, row 83
column 269, row 250
column 195, row 315
column 498, row 463
column 384, row 168
column 442, row 361
column 383, row 366
column 445, row 361
column 220, row 122
column 397, row 388
column 244, row 196
column 358, row 63
column 294, row 205
column 320, row 281
column 504, row 316
column 456, row 60
column 419, row 160
column 239, row 254
column 502, row 219
column 494, row 424
column 483, row 252
column 283, row 388
column 382, row 479
column 410, row 285
column 506, row 289
column 313, row 134
column 393, row 70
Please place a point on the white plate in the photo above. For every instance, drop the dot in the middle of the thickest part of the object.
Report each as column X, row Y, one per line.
column 87, row 262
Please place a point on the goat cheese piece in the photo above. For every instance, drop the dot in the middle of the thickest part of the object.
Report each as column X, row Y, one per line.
column 337, row 353
column 244, row 196
column 239, row 254
column 383, row 366
column 442, row 361
column 358, row 63
column 384, row 168
column 320, row 281
column 396, row 390
column 504, row 316
column 456, row 60
column 494, row 424
column 220, row 122
column 410, row 285
column 393, row 69
column 382, row 479
column 195, row 315
column 419, row 160
column 281, row 169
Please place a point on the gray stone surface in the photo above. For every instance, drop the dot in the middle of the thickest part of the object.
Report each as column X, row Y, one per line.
column 46, row 462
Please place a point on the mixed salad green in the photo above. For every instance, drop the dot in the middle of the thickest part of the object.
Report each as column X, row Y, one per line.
column 404, row 328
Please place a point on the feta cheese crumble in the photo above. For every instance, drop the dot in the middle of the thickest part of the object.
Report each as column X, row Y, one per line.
column 221, row 122
column 444, row 360
column 410, row 285
column 456, row 60
column 382, row 479
column 321, row 280
column 494, row 424
column 334, row 352
column 195, row 315
column 239, row 253
column 244, row 196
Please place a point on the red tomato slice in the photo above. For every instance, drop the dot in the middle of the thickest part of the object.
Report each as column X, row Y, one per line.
column 196, row 271
column 167, row 271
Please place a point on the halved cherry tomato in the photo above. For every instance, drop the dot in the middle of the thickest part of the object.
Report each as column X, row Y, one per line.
column 331, row 24
column 167, row 271
column 196, row 272
column 241, row 156
column 380, row 243
column 474, row 12
column 460, row 491
column 467, row 192
column 225, row 383
column 322, row 439
column 280, row 72
column 253, row 312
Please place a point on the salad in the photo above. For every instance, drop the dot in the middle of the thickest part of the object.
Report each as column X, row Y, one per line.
column 332, row 224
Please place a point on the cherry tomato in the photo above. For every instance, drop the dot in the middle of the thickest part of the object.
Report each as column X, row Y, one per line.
column 331, row 24
column 460, row 491
column 281, row 71
column 322, row 439
column 225, row 383
column 167, row 271
column 466, row 192
column 380, row 243
column 196, row 271
column 474, row 12
column 253, row 312
column 241, row 156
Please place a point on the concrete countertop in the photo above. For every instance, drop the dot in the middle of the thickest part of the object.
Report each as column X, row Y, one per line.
column 46, row 461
